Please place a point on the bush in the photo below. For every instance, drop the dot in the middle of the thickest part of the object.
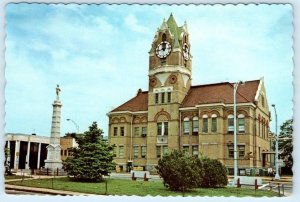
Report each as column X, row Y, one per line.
column 181, row 172
column 214, row 173
column 178, row 171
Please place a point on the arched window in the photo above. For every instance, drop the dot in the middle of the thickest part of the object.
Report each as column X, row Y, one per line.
column 241, row 122
column 195, row 125
column 205, row 123
column 164, row 37
column 230, row 123
column 186, row 125
column 214, row 123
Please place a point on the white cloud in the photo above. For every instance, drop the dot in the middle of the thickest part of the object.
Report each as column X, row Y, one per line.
column 100, row 63
column 132, row 23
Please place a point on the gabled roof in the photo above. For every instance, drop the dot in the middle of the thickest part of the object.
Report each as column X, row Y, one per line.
column 138, row 103
column 220, row 92
column 201, row 94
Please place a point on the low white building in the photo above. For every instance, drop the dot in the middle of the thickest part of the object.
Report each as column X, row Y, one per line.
column 30, row 151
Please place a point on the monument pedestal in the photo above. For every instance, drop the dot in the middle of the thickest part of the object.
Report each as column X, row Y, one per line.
column 53, row 161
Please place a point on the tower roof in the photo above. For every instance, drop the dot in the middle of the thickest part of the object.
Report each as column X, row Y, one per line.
column 175, row 30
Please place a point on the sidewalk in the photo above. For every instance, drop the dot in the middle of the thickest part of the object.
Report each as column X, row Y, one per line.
column 45, row 191
column 283, row 179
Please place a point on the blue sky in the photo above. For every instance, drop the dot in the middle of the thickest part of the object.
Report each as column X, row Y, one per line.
column 99, row 56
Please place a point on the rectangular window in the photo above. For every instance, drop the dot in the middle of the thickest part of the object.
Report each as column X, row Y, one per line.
column 169, row 97
column 241, row 151
column 61, row 152
column 69, row 153
column 144, row 151
column 156, row 98
column 115, row 151
column 159, row 128
column 162, row 128
column 230, row 124
column 195, row 126
column 162, row 97
column 65, row 152
column 122, row 131
column 165, row 149
column 230, row 151
column 115, row 131
column 158, row 151
column 186, row 127
column 121, row 151
column 205, row 125
column 166, row 128
column 241, row 122
column 144, row 131
column 135, row 152
column 186, row 149
column 136, row 131
column 214, row 124
column 195, row 150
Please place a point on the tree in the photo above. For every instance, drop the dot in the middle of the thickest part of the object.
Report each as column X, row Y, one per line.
column 92, row 158
column 178, row 171
column 285, row 144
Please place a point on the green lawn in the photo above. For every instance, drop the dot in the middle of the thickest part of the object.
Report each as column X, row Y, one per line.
column 12, row 177
column 139, row 188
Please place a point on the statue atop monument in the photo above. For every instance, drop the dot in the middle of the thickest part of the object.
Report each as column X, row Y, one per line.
column 57, row 92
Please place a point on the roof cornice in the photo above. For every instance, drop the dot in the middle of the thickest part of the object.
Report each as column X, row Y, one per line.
column 259, row 88
column 216, row 104
column 126, row 112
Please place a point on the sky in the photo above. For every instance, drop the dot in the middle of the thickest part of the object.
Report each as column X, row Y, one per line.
column 98, row 54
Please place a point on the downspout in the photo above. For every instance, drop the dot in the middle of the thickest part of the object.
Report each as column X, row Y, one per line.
column 130, row 154
column 179, row 130
column 254, row 139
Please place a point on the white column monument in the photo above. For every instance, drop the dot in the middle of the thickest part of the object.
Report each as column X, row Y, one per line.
column 53, row 160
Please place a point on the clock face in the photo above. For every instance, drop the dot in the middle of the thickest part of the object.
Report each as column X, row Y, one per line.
column 163, row 49
column 186, row 51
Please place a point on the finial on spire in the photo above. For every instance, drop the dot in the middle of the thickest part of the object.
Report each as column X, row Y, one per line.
column 164, row 25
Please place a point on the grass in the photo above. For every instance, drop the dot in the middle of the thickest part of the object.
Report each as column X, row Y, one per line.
column 13, row 177
column 139, row 188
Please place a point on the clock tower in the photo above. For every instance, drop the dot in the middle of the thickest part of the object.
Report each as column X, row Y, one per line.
column 170, row 66
column 170, row 63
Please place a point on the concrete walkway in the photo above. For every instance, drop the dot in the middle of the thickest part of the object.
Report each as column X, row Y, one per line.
column 45, row 191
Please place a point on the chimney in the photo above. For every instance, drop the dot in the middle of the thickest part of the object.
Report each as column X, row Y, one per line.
column 139, row 91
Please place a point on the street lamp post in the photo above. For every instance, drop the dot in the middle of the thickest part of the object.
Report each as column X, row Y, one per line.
column 277, row 177
column 235, row 87
column 76, row 125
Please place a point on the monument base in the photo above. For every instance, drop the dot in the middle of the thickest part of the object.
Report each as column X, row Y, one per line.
column 53, row 165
